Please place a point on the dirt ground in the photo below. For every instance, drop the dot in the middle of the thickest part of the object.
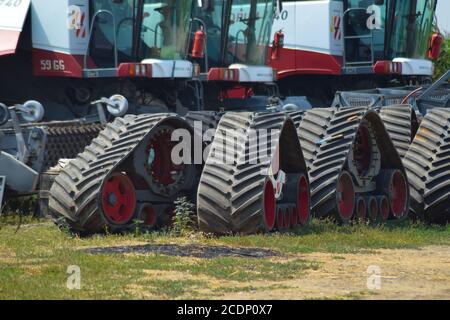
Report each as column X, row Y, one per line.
column 404, row 274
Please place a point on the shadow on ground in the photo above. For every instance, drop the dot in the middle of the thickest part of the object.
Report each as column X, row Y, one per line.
column 194, row 251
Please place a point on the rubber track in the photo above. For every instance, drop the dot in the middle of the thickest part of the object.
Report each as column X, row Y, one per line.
column 75, row 194
column 401, row 123
column 209, row 119
column 230, row 195
column 331, row 156
column 428, row 167
column 311, row 130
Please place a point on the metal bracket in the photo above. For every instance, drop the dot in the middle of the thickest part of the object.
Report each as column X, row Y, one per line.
column 2, row 191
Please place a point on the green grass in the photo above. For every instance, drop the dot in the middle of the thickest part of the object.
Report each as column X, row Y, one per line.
column 34, row 260
column 324, row 236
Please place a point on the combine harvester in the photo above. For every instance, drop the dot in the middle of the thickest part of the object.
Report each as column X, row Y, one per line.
column 354, row 45
column 349, row 164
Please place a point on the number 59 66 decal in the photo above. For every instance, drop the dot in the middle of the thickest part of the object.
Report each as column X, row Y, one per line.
column 52, row 65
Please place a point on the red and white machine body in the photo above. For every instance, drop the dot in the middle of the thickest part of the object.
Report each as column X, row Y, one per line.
column 60, row 39
column 314, row 44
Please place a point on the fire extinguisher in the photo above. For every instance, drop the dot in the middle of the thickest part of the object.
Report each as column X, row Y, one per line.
column 198, row 47
column 435, row 46
column 278, row 43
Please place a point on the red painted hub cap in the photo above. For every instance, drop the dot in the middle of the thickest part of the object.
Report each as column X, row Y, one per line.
column 399, row 194
column 345, row 196
column 269, row 206
column 118, row 199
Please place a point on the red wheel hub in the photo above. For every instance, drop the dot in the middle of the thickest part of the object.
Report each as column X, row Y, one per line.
column 159, row 163
column 269, row 206
column 399, row 194
column 118, row 199
column 345, row 196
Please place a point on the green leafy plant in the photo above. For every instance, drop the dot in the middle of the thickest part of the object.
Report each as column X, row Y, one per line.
column 184, row 221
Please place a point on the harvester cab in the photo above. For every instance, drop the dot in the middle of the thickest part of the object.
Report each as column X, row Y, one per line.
column 352, row 45
column 233, row 37
column 388, row 36
column 132, row 38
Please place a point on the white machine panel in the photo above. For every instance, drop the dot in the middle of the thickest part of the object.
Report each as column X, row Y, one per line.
column 415, row 66
column 13, row 13
column 312, row 26
column 61, row 26
column 170, row 68
column 253, row 73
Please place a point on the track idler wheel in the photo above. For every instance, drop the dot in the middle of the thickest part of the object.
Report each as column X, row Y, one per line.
column 345, row 197
column 118, row 199
column 361, row 209
column 270, row 206
column 384, row 208
column 373, row 209
column 394, row 184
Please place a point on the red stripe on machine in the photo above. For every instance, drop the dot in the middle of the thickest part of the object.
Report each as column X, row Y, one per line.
column 293, row 62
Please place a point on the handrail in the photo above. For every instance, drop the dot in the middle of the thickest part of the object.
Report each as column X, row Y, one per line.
column 367, row 36
column 96, row 15
column 236, row 42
